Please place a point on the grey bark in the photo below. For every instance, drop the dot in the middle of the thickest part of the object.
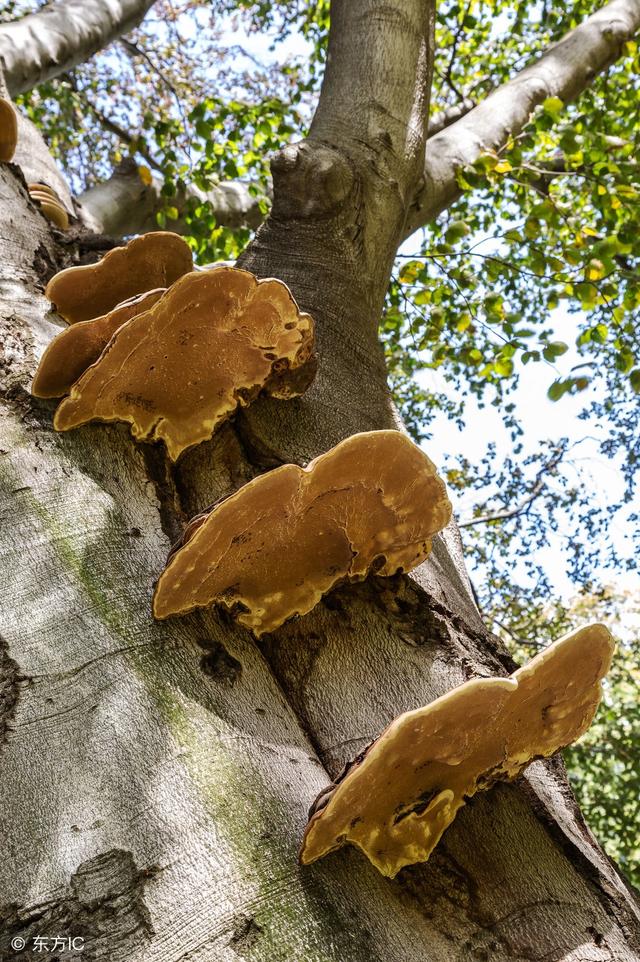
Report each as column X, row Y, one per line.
column 564, row 70
column 61, row 35
column 156, row 777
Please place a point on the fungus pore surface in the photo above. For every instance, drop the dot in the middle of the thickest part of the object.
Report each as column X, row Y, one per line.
column 397, row 799
column 78, row 346
column 153, row 260
column 276, row 546
column 211, row 343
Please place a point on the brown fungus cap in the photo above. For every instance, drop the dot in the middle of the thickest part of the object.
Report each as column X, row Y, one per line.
column 396, row 801
column 153, row 260
column 80, row 345
column 8, row 130
column 175, row 372
column 276, row 546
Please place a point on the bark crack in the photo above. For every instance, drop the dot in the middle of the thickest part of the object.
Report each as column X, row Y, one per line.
column 102, row 909
column 10, row 679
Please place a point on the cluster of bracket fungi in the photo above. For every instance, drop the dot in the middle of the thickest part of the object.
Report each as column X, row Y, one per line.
column 136, row 321
column 142, row 317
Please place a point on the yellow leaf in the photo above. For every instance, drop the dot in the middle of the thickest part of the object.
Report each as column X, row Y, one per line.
column 602, row 189
column 145, row 175
column 616, row 202
column 503, row 167
column 409, row 272
column 595, row 270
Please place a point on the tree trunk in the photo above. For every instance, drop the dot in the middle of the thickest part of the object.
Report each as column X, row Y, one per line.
column 156, row 776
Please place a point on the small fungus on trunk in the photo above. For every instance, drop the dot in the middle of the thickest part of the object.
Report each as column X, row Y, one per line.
column 397, row 799
column 153, row 260
column 213, row 342
column 50, row 204
column 80, row 345
column 275, row 547
column 8, row 130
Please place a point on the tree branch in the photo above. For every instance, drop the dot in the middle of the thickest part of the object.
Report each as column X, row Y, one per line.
column 508, row 512
column 125, row 205
column 449, row 116
column 563, row 71
column 58, row 37
column 517, row 509
column 132, row 140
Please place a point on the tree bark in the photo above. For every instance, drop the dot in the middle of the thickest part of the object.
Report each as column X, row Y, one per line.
column 156, row 777
column 124, row 205
column 61, row 35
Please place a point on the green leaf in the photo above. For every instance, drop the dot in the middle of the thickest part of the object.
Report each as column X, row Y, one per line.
column 552, row 106
column 409, row 272
column 599, row 333
column 503, row 367
column 422, row 297
column 554, row 349
column 456, row 230
column 557, row 389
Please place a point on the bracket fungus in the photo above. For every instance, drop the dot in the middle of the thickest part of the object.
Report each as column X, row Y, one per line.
column 50, row 204
column 211, row 343
column 80, row 345
column 8, row 130
column 276, row 546
column 395, row 801
column 153, row 260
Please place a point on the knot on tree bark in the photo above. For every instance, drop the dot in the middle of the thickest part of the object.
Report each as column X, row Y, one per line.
column 310, row 180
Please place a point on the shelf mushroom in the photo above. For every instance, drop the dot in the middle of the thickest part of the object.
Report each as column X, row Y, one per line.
column 397, row 799
column 275, row 547
column 8, row 130
column 80, row 345
column 156, row 259
column 213, row 342
column 50, row 204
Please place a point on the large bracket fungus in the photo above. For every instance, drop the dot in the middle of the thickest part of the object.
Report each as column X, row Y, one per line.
column 78, row 346
column 276, row 546
column 397, row 799
column 153, row 260
column 214, row 341
column 8, row 130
